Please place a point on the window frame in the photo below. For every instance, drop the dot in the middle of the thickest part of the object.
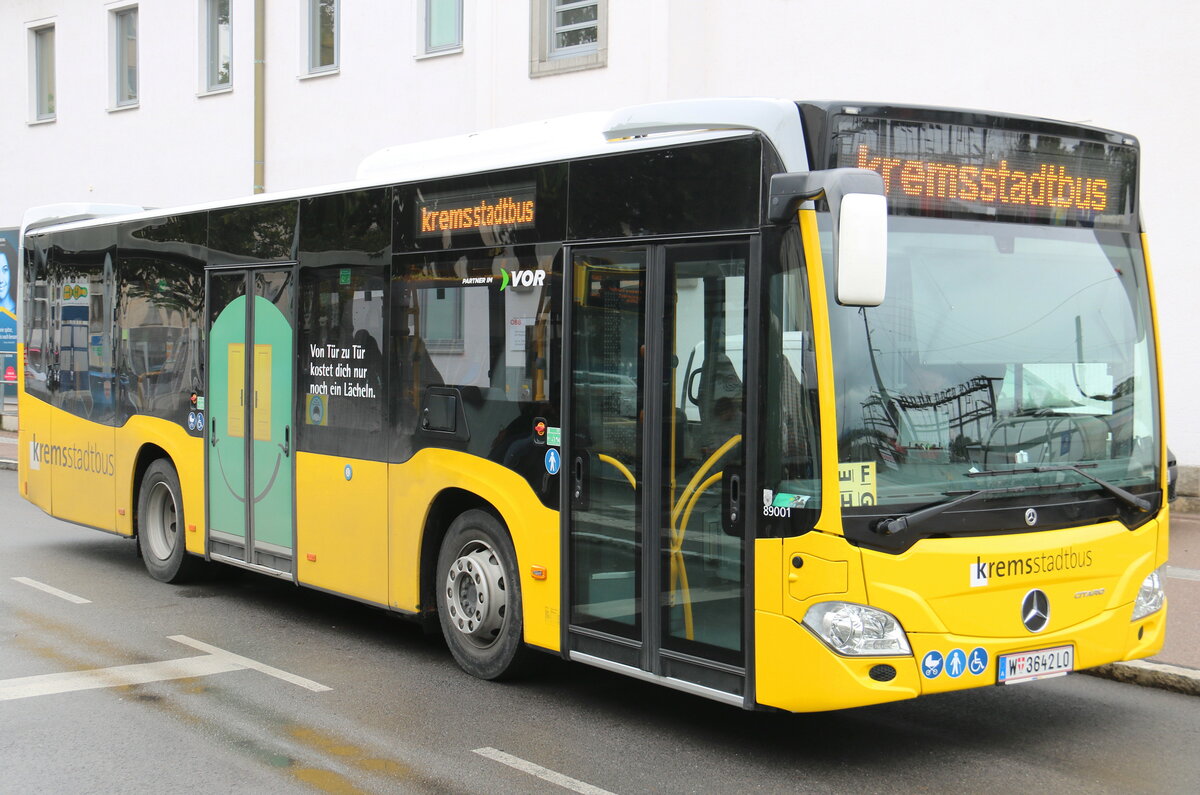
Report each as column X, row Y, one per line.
column 43, row 101
column 123, row 96
column 312, row 38
column 545, row 58
column 210, row 47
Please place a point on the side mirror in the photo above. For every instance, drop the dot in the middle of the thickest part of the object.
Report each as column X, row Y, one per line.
column 859, row 210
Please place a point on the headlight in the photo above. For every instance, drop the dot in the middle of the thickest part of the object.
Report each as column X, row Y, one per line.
column 857, row 630
column 1151, row 596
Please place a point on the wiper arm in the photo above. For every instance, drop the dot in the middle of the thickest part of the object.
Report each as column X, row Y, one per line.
column 1113, row 489
column 889, row 527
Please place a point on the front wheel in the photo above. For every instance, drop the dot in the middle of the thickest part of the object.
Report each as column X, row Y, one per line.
column 479, row 596
column 160, row 524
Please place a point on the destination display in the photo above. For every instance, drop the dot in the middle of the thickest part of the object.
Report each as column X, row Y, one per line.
column 509, row 208
column 948, row 169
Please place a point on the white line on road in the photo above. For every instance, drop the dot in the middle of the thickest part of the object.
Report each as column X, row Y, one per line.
column 246, row 662
column 1177, row 573
column 70, row 681
column 217, row 661
column 543, row 773
column 50, row 589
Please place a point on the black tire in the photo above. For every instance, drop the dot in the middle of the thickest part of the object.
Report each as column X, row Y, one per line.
column 161, row 525
column 479, row 597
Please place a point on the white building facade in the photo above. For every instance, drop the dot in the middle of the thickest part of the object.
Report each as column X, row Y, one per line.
column 156, row 102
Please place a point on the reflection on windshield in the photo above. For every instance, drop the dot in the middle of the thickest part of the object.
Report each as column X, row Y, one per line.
column 998, row 346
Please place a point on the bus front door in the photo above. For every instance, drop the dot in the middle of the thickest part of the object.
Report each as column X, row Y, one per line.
column 249, row 472
column 653, row 463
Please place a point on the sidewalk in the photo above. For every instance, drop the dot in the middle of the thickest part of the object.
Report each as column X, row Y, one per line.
column 8, row 450
column 1176, row 667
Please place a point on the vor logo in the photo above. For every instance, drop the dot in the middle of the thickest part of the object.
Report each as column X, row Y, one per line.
column 522, row 278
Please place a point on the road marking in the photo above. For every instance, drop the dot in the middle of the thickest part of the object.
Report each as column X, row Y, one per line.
column 543, row 773
column 217, row 661
column 71, row 681
column 1177, row 573
column 50, row 589
column 246, row 662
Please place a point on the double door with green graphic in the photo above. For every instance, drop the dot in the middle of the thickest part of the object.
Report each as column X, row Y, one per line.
column 251, row 354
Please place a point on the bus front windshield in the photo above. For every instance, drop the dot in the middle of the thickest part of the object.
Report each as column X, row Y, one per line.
column 1006, row 357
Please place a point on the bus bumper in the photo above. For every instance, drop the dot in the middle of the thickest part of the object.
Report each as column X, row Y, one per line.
column 796, row 672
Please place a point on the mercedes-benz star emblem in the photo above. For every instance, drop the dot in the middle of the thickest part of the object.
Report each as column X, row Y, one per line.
column 1031, row 517
column 1035, row 610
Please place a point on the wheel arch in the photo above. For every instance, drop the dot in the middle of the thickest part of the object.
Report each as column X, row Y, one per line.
column 147, row 454
column 447, row 506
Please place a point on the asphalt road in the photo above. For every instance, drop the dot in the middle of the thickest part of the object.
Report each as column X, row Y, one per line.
column 237, row 705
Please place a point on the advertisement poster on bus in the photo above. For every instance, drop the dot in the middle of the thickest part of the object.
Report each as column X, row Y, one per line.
column 8, row 311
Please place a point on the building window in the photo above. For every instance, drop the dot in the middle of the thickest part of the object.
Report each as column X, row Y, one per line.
column 443, row 26
column 322, row 35
column 442, row 324
column 125, row 56
column 573, row 28
column 43, row 71
column 567, row 35
column 218, row 45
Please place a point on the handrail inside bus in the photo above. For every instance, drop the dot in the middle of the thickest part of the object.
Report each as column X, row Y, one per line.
column 700, row 473
column 683, row 507
column 678, row 567
column 624, row 470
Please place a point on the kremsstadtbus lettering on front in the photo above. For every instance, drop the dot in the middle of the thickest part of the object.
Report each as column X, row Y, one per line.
column 788, row 405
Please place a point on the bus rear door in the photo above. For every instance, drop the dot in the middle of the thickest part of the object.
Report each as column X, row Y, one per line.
column 249, row 471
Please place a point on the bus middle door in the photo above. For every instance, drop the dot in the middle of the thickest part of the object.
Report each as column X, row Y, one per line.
column 249, row 484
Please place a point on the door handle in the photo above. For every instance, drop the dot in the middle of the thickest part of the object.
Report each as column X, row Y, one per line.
column 733, row 494
column 212, row 432
column 735, row 498
column 287, row 441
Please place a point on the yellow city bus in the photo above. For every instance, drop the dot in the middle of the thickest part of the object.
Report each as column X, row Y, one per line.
column 789, row 405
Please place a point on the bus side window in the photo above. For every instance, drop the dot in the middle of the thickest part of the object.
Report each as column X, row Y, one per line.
column 478, row 323
column 159, row 306
column 342, row 377
column 37, row 320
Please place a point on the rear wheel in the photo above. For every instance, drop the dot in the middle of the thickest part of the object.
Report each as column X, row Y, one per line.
column 479, row 597
column 160, row 524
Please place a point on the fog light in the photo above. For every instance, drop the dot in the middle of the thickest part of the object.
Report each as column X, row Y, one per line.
column 1151, row 596
column 857, row 630
column 883, row 673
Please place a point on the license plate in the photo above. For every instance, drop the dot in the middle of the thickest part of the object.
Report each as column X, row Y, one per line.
column 1027, row 666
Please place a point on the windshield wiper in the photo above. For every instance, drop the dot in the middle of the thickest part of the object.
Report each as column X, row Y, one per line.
column 1124, row 496
column 889, row 527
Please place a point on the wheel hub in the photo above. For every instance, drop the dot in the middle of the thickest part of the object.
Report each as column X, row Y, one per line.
column 475, row 594
column 162, row 526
